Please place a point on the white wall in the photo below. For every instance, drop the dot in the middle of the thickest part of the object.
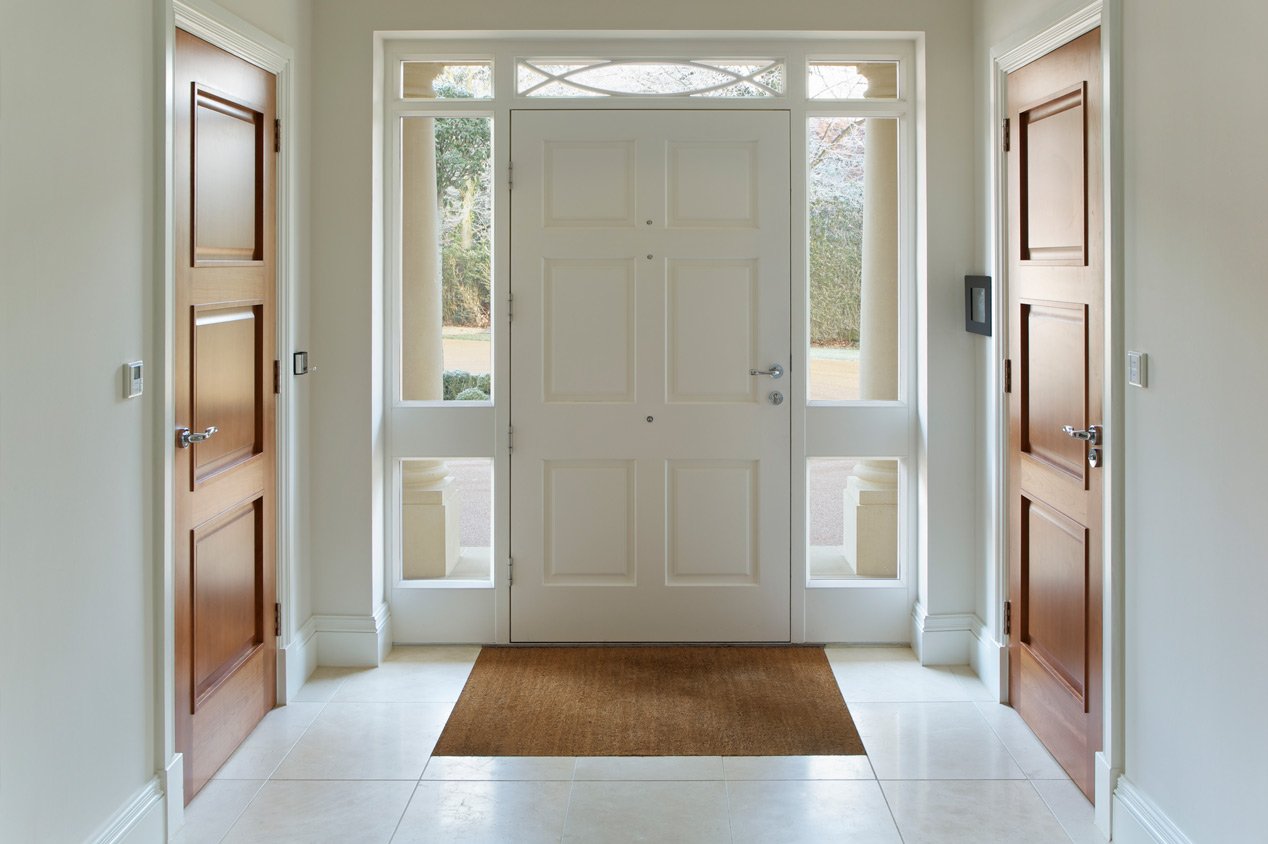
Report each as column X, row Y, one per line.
column 79, row 567
column 347, row 308
column 1196, row 221
column 76, row 607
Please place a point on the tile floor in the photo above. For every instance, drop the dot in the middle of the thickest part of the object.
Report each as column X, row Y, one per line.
column 350, row 761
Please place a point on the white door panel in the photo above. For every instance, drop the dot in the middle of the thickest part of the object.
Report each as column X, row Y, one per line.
column 650, row 472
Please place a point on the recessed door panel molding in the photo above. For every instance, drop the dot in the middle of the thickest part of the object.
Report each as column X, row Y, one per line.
column 1054, row 371
column 588, row 183
column 589, row 330
column 650, row 478
column 1055, row 564
column 226, row 579
column 227, row 385
column 1054, row 183
column 589, row 522
column 713, row 184
column 712, row 315
column 712, row 525
column 228, row 225
column 224, row 478
column 1055, row 331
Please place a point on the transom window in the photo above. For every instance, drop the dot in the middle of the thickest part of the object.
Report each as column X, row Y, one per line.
column 650, row 78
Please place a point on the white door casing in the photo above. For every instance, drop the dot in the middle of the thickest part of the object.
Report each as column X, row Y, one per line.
column 650, row 474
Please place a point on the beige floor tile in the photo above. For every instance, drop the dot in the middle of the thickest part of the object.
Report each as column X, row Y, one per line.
column 797, row 768
column 649, row 768
column 971, row 812
column 258, row 756
column 500, row 768
column 370, row 741
column 811, row 812
column 1031, row 756
column 318, row 812
column 616, row 812
column 493, row 812
column 892, row 674
column 214, row 809
column 932, row 741
column 322, row 684
column 1073, row 811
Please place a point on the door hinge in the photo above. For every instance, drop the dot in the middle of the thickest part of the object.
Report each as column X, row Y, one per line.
column 510, row 306
column 1008, row 617
column 510, row 175
column 510, row 439
column 277, row 619
column 510, row 571
column 277, row 135
column 1008, row 375
column 277, row 377
column 1008, row 139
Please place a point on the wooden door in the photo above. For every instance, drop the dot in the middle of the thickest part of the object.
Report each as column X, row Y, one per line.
column 225, row 378
column 1056, row 330
column 650, row 471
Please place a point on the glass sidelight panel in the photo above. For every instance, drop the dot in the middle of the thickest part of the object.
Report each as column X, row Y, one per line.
column 446, row 80
column 853, row 258
column 447, row 519
column 852, row 507
column 446, row 258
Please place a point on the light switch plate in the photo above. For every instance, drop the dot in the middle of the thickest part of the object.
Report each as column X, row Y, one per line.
column 1138, row 369
column 133, row 379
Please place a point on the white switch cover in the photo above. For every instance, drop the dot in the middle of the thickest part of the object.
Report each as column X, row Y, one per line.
column 133, row 379
column 1138, row 369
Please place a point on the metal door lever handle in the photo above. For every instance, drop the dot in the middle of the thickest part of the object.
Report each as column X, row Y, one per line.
column 1091, row 435
column 775, row 371
column 185, row 438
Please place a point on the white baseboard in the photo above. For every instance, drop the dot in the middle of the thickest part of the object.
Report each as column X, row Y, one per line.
column 1139, row 820
column 136, row 820
column 1106, row 778
column 989, row 659
column 296, row 661
column 353, row 640
column 174, row 788
column 945, row 639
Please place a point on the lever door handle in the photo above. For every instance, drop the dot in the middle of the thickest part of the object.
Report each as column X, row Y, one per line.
column 775, row 371
column 1092, row 435
column 185, row 438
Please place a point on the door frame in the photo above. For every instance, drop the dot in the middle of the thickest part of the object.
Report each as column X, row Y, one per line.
column 227, row 31
column 862, row 612
column 1009, row 55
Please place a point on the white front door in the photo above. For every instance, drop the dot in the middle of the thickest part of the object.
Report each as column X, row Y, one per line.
column 650, row 496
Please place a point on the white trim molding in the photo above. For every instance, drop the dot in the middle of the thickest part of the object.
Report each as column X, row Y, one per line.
column 353, row 640
column 296, row 661
column 989, row 659
column 1139, row 820
column 131, row 814
column 944, row 638
column 173, row 777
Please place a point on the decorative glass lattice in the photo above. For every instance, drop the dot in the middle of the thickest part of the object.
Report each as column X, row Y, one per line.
column 650, row 78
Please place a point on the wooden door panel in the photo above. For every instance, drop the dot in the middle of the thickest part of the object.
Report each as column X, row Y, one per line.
column 227, row 390
column 1054, row 565
column 226, row 580
column 225, row 650
column 228, row 200
column 1053, row 153
column 1056, row 329
column 1053, row 370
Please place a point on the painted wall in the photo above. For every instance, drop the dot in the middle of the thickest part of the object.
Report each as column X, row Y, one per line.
column 76, row 562
column 79, row 565
column 1196, row 288
column 347, row 309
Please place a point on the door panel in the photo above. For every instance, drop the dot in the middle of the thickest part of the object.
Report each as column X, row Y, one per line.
column 650, row 473
column 224, row 485
column 1056, row 326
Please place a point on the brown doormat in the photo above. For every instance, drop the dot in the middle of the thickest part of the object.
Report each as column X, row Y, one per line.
column 650, row 701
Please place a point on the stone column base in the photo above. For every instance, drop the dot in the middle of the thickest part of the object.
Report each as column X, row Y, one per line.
column 429, row 530
column 871, row 528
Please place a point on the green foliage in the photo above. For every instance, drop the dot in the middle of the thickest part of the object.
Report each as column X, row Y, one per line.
column 464, row 189
column 459, row 383
column 836, row 229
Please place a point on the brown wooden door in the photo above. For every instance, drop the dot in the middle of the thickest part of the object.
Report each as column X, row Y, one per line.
column 224, row 486
column 1056, row 319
